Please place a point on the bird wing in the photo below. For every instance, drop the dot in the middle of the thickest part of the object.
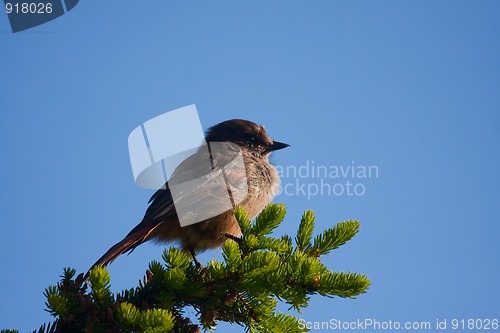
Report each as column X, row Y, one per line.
column 199, row 184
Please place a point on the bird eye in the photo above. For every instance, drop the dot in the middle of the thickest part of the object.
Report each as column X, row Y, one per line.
column 253, row 142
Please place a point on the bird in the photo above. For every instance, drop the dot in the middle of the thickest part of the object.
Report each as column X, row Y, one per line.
column 252, row 184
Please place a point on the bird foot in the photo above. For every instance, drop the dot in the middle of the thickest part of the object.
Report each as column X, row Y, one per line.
column 235, row 238
column 196, row 261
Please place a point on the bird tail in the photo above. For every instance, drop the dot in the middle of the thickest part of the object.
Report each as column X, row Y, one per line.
column 128, row 244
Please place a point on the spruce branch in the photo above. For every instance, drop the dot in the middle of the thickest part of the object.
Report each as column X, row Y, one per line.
column 306, row 228
column 257, row 272
column 334, row 237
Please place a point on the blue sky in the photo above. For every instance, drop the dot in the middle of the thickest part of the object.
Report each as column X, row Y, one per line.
column 409, row 87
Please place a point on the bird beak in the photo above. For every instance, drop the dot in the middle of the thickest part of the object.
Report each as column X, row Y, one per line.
column 277, row 146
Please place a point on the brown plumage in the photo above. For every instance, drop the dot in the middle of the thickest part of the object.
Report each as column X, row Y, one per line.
column 161, row 223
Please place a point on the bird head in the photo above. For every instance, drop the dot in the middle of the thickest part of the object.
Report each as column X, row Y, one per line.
column 246, row 134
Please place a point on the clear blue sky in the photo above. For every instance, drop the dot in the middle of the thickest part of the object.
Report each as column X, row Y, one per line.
column 411, row 87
